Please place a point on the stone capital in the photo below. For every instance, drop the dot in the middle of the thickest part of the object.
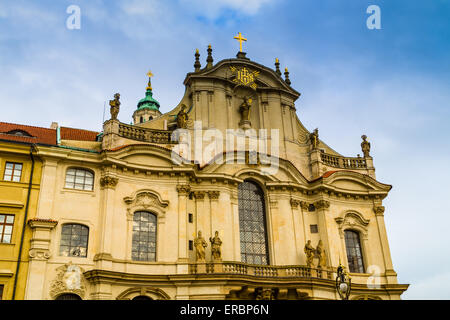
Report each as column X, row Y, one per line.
column 183, row 189
column 322, row 204
column 39, row 254
column 295, row 203
column 108, row 182
column 379, row 210
column 304, row 205
column 199, row 195
column 213, row 195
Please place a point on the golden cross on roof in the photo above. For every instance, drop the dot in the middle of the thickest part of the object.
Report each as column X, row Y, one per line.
column 149, row 85
column 240, row 39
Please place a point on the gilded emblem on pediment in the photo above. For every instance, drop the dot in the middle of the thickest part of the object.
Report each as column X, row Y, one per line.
column 244, row 76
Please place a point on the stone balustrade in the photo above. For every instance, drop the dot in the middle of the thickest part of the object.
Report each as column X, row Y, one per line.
column 343, row 162
column 145, row 134
column 266, row 271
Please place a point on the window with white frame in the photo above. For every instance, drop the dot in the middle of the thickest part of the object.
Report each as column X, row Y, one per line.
column 74, row 240
column 79, row 179
column 13, row 171
column 6, row 227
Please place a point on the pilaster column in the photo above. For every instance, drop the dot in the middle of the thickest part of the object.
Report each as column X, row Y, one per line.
column 391, row 275
column 200, row 214
column 183, row 192
column 48, row 189
column 297, row 222
column 214, row 214
column 322, row 207
column 108, row 184
column 273, row 243
column 39, row 254
column 234, row 211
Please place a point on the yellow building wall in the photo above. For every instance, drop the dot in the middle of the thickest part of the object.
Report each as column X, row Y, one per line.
column 13, row 201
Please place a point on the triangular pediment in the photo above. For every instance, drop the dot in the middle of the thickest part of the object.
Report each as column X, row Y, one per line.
column 227, row 70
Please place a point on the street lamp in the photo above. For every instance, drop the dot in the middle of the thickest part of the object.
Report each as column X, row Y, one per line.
column 343, row 283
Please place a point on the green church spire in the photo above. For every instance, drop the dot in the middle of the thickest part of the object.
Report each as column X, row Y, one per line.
column 148, row 102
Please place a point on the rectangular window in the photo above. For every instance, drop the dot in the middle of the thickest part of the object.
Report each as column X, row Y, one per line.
column 1, row 292
column 6, row 227
column 191, row 217
column 191, row 245
column 314, row 228
column 13, row 171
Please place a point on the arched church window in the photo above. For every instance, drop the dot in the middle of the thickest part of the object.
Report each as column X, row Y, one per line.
column 79, row 179
column 74, row 240
column 142, row 298
column 252, row 224
column 68, row 296
column 150, row 118
column 144, row 236
column 142, row 119
column 354, row 252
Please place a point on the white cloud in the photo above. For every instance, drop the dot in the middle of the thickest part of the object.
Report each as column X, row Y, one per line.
column 27, row 14
column 428, row 288
column 212, row 9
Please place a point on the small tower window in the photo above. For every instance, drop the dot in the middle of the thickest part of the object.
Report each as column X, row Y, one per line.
column 142, row 119
column 314, row 228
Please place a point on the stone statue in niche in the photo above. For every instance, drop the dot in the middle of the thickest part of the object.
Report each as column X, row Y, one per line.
column 365, row 146
column 115, row 106
column 182, row 118
column 244, row 109
column 320, row 251
column 314, row 139
column 200, row 245
column 215, row 246
column 309, row 252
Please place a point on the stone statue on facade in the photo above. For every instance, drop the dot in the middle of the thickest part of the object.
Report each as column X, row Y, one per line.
column 320, row 251
column 115, row 106
column 314, row 139
column 215, row 246
column 244, row 109
column 200, row 245
column 365, row 146
column 182, row 118
column 309, row 252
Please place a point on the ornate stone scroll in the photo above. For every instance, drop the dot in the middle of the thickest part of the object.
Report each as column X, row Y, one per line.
column 69, row 279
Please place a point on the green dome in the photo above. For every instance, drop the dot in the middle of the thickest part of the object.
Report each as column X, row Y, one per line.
column 148, row 102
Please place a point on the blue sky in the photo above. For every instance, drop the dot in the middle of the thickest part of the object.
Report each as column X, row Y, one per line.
column 391, row 84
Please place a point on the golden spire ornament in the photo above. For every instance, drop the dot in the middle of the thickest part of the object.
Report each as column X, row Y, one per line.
column 240, row 39
column 149, row 85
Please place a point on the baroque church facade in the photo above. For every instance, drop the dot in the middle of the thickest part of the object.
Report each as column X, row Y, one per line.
column 133, row 213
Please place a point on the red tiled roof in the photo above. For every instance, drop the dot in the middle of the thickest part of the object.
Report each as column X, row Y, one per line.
column 328, row 173
column 37, row 134
column 78, row 134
